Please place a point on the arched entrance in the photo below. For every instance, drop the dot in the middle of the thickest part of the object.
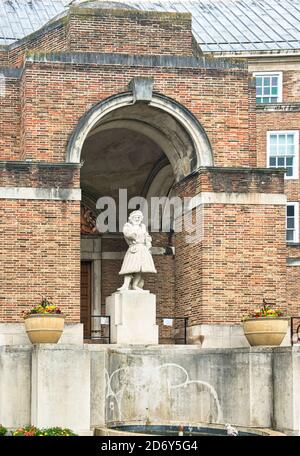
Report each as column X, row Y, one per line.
column 171, row 125
column 143, row 147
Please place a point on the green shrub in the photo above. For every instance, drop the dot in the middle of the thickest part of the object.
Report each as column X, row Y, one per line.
column 3, row 430
column 32, row 431
column 28, row 431
column 56, row 431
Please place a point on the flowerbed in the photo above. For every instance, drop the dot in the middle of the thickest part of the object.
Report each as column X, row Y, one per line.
column 32, row 431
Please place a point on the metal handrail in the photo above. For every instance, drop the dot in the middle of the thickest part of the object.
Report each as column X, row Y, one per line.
column 107, row 339
column 185, row 321
column 94, row 332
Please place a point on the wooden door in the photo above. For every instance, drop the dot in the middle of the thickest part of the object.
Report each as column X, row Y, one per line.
column 86, row 293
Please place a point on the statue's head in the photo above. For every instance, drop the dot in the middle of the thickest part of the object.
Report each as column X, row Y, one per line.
column 136, row 217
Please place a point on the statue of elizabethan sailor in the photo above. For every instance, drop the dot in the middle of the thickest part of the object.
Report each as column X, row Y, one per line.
column 138, row 258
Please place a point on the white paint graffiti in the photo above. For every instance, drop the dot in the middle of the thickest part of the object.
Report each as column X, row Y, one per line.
column 115, row 395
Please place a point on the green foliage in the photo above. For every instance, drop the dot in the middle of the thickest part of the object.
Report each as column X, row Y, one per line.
column 44, row 307
column 56, row 431
column 32, row 431
column 3, row 430
column 265, row 311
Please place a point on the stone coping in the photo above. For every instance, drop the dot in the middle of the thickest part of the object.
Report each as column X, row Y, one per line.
column 246, row 170
column 132, row 349
column 24, row 164
column 107, row 431
column 274, row 107
column 265, row 318
column 120, row 11
column 150, row 60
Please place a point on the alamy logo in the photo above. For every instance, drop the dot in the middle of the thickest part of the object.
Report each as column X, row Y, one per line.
column 160, row 214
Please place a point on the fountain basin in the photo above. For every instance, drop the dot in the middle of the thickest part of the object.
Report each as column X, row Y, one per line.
column 172, row 429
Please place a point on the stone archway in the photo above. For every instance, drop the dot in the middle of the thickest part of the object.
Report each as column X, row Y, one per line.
column 144, row 144
column 170, row 124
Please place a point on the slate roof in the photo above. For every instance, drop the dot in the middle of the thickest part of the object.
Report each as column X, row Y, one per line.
column 218, row 25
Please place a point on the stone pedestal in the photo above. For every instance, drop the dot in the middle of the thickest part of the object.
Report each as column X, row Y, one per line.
column 132, row 317
column 60, row 388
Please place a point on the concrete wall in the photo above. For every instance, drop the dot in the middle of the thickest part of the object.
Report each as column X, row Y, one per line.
column 15, row 385
column 223, row 336
column 187, row 384
column 15, row 334
column 89, row 385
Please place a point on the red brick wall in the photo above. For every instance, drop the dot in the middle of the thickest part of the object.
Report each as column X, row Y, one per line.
column 40, row 256
column 10, row 111
column 53, row 106
column 268, row 121
column 39, row 175
column 291, row 86
column 3, row 58
column 293, row 280
column 243, row 255
column 52, row 41
column 102, row 31
column 240, row 261
column 129, row 32
column 283, row 119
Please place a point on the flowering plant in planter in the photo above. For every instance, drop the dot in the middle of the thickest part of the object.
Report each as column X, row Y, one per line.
column 32, row 431
column 264, row 311
column 45, row 307
column 265, row 326
column 44, row 323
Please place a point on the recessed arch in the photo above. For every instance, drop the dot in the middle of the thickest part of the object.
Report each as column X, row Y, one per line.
column 185, row 158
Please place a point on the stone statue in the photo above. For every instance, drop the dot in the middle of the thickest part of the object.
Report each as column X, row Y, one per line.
column 138, row 258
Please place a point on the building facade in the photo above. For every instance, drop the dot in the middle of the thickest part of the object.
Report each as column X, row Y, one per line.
column 109, row 97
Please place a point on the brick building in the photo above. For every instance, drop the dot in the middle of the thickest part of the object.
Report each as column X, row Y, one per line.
column 102, row 96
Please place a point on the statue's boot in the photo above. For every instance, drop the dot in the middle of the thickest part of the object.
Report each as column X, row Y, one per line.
column 126, row 284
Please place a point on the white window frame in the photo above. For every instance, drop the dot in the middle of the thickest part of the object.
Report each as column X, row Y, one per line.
column 272, row 73
column 296, row 160
column 296, row 212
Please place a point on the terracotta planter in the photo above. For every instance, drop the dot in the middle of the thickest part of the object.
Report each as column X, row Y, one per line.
column 265, row 330
column 44, row 328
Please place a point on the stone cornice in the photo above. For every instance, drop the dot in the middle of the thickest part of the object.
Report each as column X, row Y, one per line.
column 167, row 61
column 26, row 164
column 282, row 107
column 227, row 169
column 235, row 198
column 33, row 193
column 293, row 261
column 122, row 12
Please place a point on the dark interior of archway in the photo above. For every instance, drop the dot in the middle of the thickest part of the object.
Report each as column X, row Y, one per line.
column 118, row 158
